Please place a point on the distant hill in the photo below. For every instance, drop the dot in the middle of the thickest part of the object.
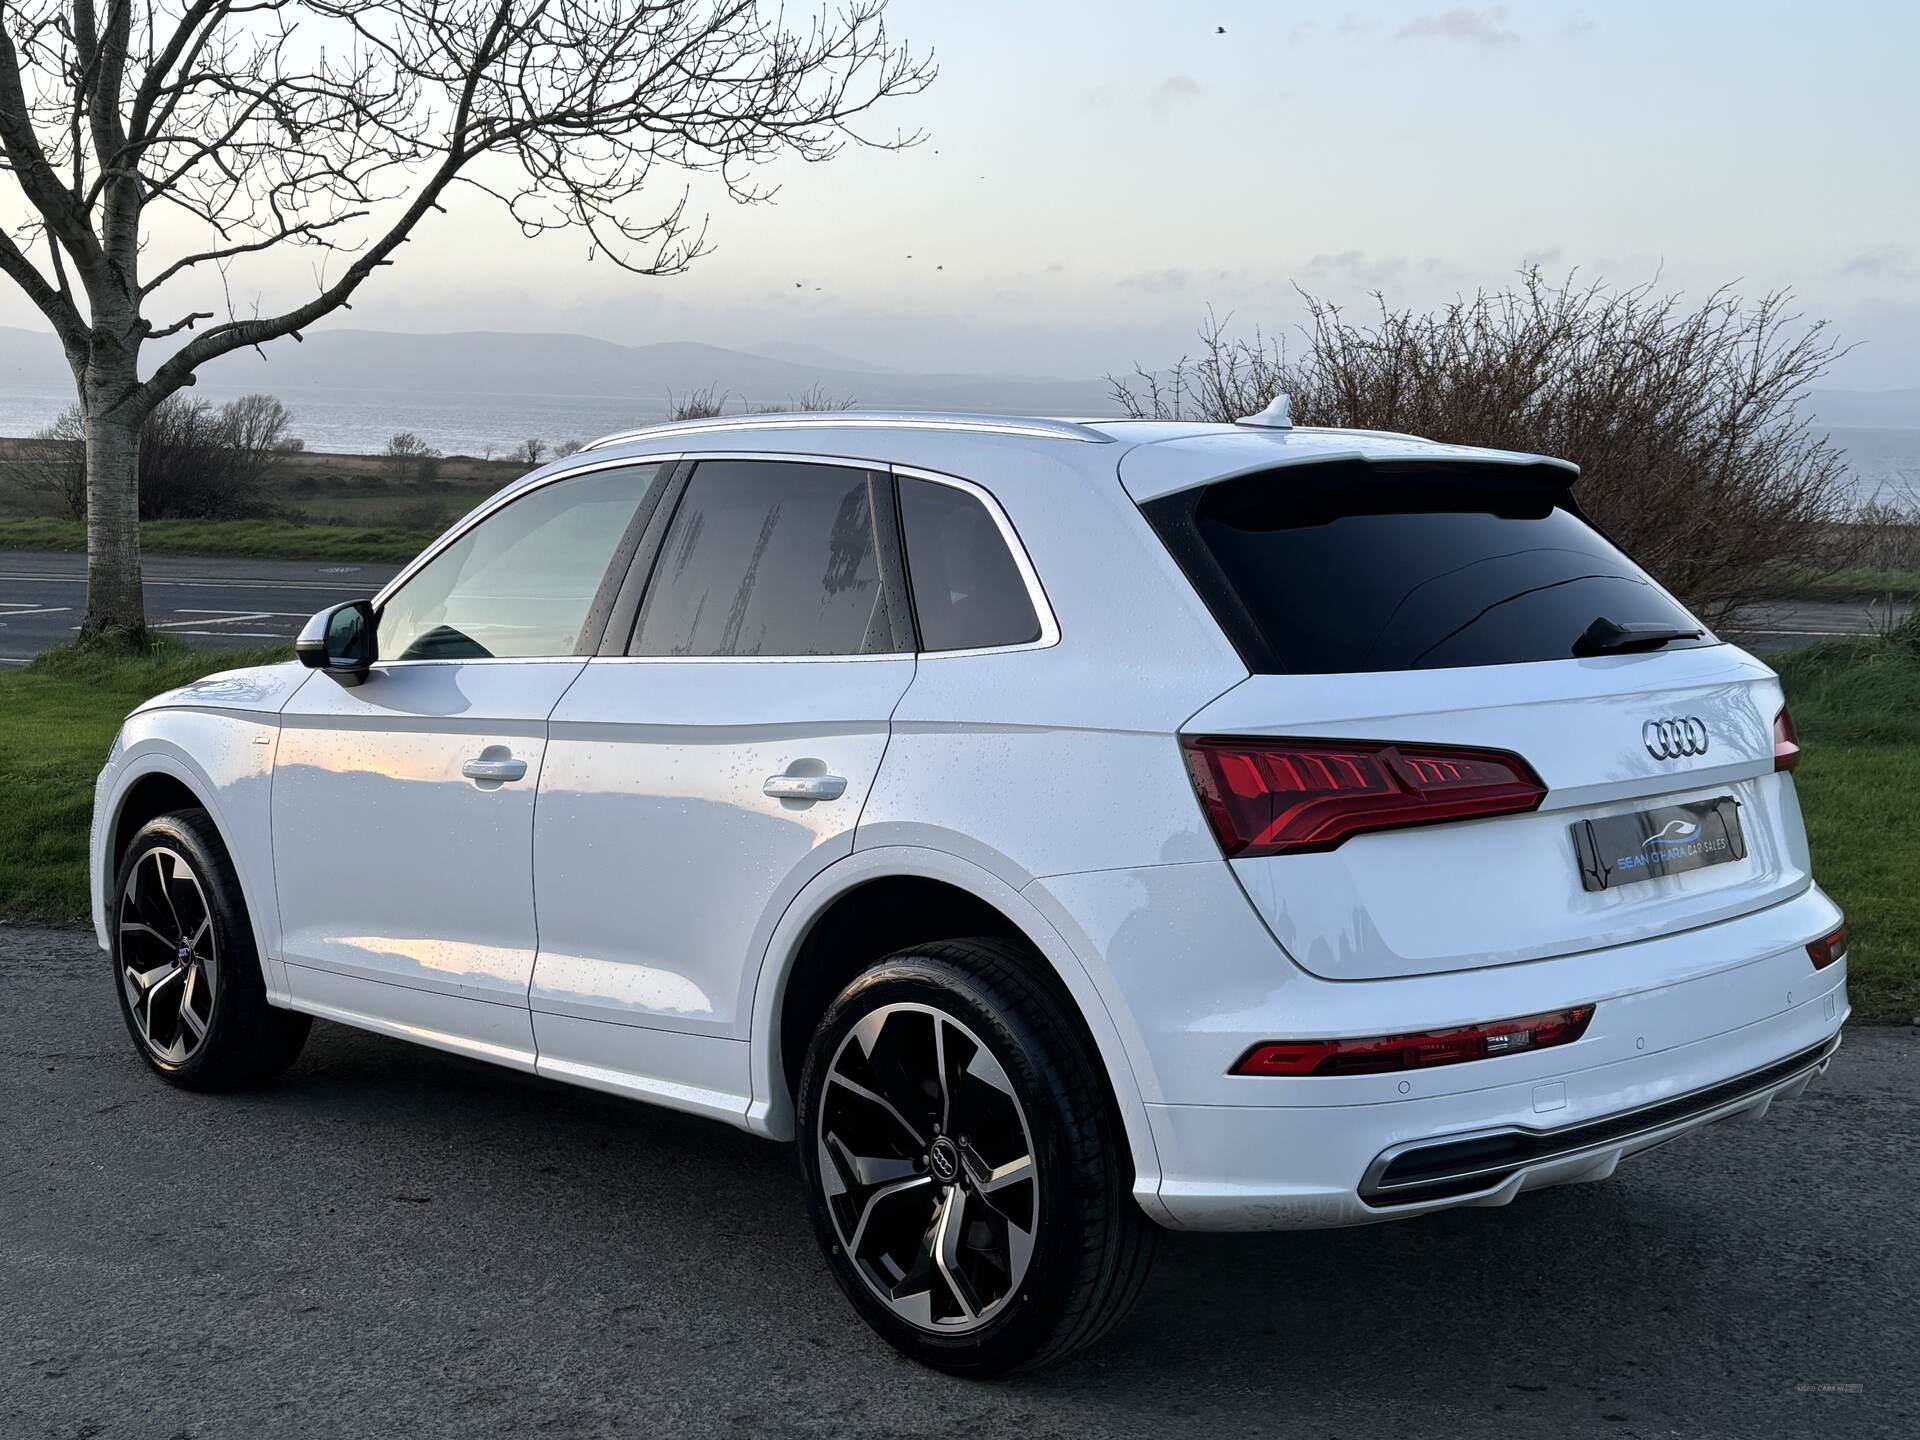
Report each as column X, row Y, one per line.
column 799, row 352
column 492, row 362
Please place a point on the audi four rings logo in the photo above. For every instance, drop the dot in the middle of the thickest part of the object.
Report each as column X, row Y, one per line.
column 1670, row 739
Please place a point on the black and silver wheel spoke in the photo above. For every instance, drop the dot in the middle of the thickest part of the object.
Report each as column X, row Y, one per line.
column 166, row 952
column 928, row 1166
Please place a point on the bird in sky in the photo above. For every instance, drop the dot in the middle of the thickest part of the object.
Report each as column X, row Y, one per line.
column 1219, row 29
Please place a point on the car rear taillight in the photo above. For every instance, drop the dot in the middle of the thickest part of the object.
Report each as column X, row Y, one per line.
column 1385, row 1053
column 1279, row 797
column 1828, row 948
column 1786, row 741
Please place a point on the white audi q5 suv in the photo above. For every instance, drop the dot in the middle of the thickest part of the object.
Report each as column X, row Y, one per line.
column 1053, row 830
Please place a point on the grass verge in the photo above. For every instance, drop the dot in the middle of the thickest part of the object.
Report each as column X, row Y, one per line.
column 1857, row 705
column 57, row 718
column 237, row 539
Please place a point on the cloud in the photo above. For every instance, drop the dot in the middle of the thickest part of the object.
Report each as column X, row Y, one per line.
column 1578, row 24
column 1158, row 282
column 1351, row 27
column 1170, row 94
column 1882, row 262
column 1548, row 256
column 1358, row 266
column 1470, row 26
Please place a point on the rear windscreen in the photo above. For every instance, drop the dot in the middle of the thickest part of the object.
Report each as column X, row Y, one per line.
column 1344, row 567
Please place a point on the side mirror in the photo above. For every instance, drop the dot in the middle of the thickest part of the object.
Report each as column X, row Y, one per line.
column 340, row 640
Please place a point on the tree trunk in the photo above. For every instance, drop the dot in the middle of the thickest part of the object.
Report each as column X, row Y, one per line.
column 114, row 598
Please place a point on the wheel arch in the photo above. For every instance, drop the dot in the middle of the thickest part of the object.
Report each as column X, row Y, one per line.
column 157, row 777
column 880, row 900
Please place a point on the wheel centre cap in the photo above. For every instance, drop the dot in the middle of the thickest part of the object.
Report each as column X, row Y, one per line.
column 943, row 1160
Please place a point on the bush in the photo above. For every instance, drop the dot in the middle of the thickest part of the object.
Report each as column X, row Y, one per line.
column 706, row 403
column 420, row 515
column 197, row 461
column 815, row 397
column 1685, row 421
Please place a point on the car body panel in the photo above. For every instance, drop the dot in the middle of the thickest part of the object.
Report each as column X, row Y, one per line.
column 652, row 807
column 394, row 868
column 1493, row 891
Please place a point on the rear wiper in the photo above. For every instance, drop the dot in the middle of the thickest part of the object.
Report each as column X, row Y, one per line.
column 1610, row 637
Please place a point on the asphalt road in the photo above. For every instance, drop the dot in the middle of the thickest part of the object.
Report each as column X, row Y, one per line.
column 398, row 1242
column 209, row 602
column 253, row 602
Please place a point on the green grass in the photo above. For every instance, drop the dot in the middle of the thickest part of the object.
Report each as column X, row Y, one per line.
column 241, row 539
column 57, row 718
column 1857, row 705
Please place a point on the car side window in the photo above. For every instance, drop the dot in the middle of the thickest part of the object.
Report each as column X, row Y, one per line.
column 520, row 583
column 967, row 590
column 769, row 558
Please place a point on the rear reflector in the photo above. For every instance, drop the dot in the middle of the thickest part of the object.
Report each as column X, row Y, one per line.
column 1386, row 1053
column 1828, row 948
column 1279, row 797
column 1786, row 741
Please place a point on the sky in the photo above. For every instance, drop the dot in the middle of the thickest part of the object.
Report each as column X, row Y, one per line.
column 1097, row 173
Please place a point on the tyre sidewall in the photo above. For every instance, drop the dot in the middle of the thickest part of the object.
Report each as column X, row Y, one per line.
column 1023, row 1325
column 237, row 960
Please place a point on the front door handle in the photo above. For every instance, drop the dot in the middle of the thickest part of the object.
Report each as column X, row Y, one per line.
column 495, row 768
column 805, row 787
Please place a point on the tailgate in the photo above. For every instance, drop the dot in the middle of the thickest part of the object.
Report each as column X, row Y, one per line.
column 1495, row 891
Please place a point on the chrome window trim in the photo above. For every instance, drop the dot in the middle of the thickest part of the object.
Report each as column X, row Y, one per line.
column 1031, row 428
column 492, row 506
column 1036, row 593
column 1022, row 562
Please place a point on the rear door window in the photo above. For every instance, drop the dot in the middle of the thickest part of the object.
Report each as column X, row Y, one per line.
column 967, row 591
column 769, row 558
column 1339, row 568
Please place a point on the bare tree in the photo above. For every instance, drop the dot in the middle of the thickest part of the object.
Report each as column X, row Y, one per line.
column 336, row 126
column 413, row 458
column 531, row 450
column 1685, row 418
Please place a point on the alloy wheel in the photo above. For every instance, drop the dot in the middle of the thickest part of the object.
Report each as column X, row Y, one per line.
column 928, row 1166
column 169, row 965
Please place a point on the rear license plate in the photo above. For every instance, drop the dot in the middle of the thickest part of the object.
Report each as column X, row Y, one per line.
column 1626, row 849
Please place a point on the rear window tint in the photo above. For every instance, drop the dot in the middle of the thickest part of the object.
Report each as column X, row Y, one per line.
column 1348, row 567
column 966, row 588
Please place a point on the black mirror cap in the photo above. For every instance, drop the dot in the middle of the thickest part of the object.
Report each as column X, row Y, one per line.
column 341, row 641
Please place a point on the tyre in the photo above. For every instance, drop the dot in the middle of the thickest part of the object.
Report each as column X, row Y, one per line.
column 185, row 966
column 965, row 1172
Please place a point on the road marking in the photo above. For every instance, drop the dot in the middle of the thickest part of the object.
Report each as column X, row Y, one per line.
column 11, row 608
column 229, row 584
column 228, row 617
column 277, row 614
column 1837, row 633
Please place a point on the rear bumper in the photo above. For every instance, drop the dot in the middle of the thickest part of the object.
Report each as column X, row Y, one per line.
column 1192, row 979
column 1310, row 1167
column 1492, row 1160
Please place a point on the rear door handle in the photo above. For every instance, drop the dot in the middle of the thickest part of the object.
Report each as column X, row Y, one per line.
column 489, row 768
column 805, row 787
